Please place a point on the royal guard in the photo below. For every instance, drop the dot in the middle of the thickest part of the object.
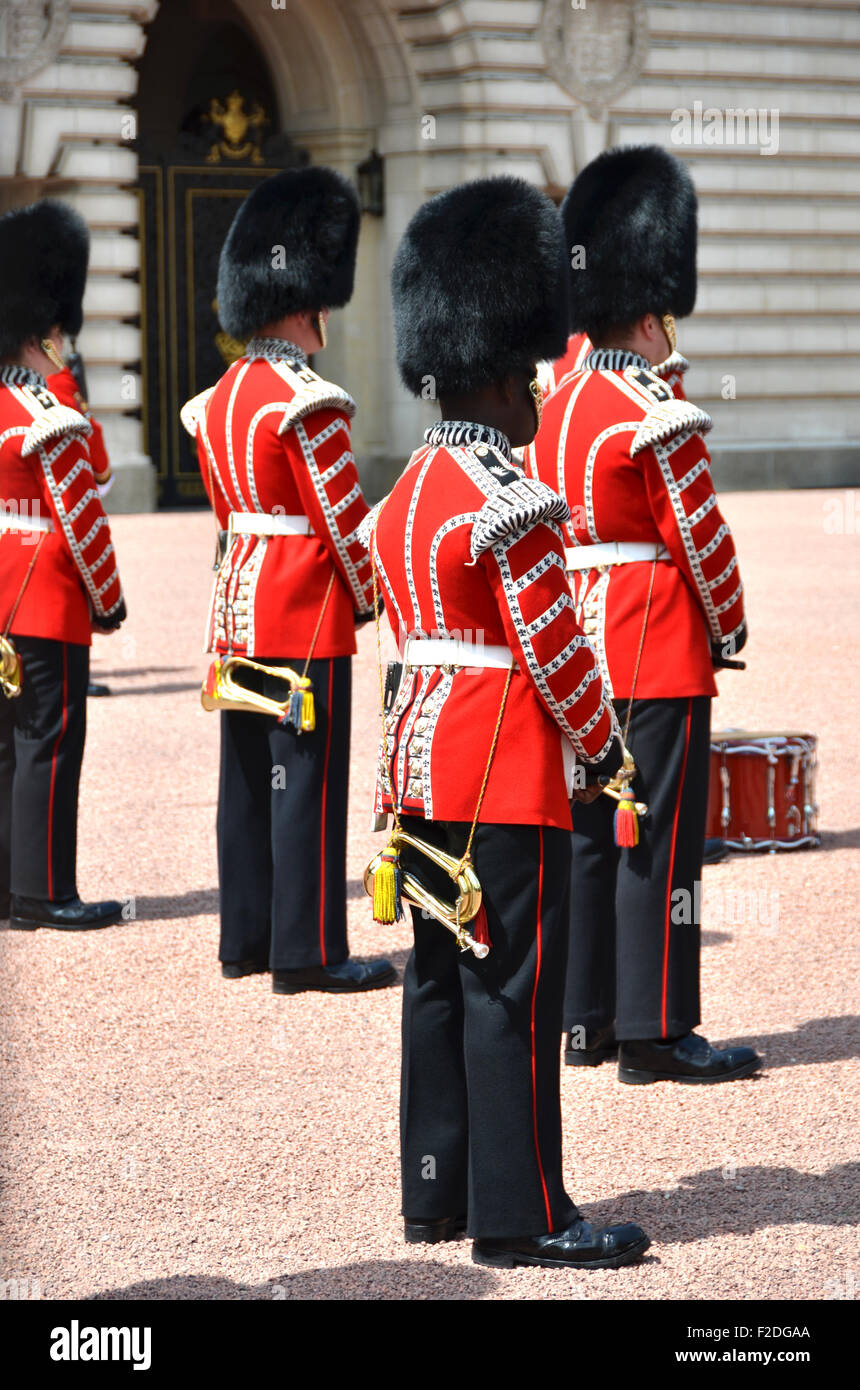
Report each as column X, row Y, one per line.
column 58, row 574
column 657, row 587
column 552, row 374
column 274, row 449
column 499, row 710
column 68, row 383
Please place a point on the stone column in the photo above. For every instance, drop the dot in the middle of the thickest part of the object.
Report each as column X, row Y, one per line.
column 67, row 127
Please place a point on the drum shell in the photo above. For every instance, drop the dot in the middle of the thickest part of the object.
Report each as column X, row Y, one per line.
column 762, row 790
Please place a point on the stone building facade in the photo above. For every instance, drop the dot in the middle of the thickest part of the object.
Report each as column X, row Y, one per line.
column 125, row 110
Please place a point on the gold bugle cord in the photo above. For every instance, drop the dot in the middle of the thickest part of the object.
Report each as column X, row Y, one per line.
column 614, row 792
column 624, row 779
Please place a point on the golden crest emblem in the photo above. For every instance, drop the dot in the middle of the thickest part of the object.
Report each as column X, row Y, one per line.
column 237, row 125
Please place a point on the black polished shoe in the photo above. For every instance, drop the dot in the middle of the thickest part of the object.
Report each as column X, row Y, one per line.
column 71, row 915
column 420, row 1230
column 581, row 1246
column 599, row 1046
column 349, row 977
column 690, row 1059
column 5, row 907
column 95, row 690
column 238, row 969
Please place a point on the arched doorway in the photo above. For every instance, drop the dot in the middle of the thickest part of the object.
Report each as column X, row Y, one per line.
column 209, row 130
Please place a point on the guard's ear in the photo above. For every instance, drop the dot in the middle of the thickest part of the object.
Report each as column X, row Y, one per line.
column 650, row 325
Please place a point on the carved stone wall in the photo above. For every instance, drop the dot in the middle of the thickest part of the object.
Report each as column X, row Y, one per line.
column 454, row 89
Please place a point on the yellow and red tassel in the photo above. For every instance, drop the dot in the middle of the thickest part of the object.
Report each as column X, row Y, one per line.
column 387, row 900
column 626, row 820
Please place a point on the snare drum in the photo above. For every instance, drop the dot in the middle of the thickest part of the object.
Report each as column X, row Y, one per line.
column 762, row 790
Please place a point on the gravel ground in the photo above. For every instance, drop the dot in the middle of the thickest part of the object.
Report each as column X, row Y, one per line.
column 171, row 1135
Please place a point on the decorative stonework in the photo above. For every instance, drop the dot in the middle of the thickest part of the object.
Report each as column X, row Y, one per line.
column 596, row 49
column 31, row 35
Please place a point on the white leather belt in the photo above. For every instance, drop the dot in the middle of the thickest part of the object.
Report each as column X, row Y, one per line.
column 452, row 651
column 588, row 557
column 14, row 521
column 267, row 524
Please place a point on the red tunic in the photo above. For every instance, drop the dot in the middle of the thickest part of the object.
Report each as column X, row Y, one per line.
column 551, row 374
column 630, row 461
column 65, row 388
column 468, row 547
column 274, row 439
column 45, row 473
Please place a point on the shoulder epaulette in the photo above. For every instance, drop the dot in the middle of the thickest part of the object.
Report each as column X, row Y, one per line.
column 666, row 419
column 193, row 409
column 675, row 362
column 53, row 422
column 514, row 509
column 312, row 393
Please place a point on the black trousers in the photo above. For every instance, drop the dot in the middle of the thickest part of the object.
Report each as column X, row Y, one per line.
column 480, row 1116
column 282, row 804
column 634, row 943
column 42, row 733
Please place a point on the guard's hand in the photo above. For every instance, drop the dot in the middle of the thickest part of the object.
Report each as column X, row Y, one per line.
column 111, row 623
column 723, row 653
column 586, row 794
column 370, row 613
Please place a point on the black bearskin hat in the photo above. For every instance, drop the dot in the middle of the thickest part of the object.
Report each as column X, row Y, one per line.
column 291, row 247
column 44, row 251
column 633, row 210
column 480, row 286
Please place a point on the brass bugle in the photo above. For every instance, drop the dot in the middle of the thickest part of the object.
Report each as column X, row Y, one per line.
column 10, row 669
column 222, row 690
column 455, row 915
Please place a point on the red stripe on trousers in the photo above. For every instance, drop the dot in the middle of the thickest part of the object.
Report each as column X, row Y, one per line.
column 322, row 827
column 54, row 755
column 672, row 871
column 534, row 1061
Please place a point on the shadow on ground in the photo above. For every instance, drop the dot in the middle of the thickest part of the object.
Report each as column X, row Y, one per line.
column 373, row 1279
column 841, row 839
column 816, row 1040
column 165, row 688
column 735, row 1201
column 194, row 904
column 98, row 674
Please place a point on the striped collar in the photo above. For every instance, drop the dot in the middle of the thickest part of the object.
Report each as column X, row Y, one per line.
column 614, row 360
column 275, row 350
column 463, row 432
column 16, row 375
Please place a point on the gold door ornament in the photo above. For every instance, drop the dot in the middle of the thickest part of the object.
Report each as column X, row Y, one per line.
column 236, row 123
